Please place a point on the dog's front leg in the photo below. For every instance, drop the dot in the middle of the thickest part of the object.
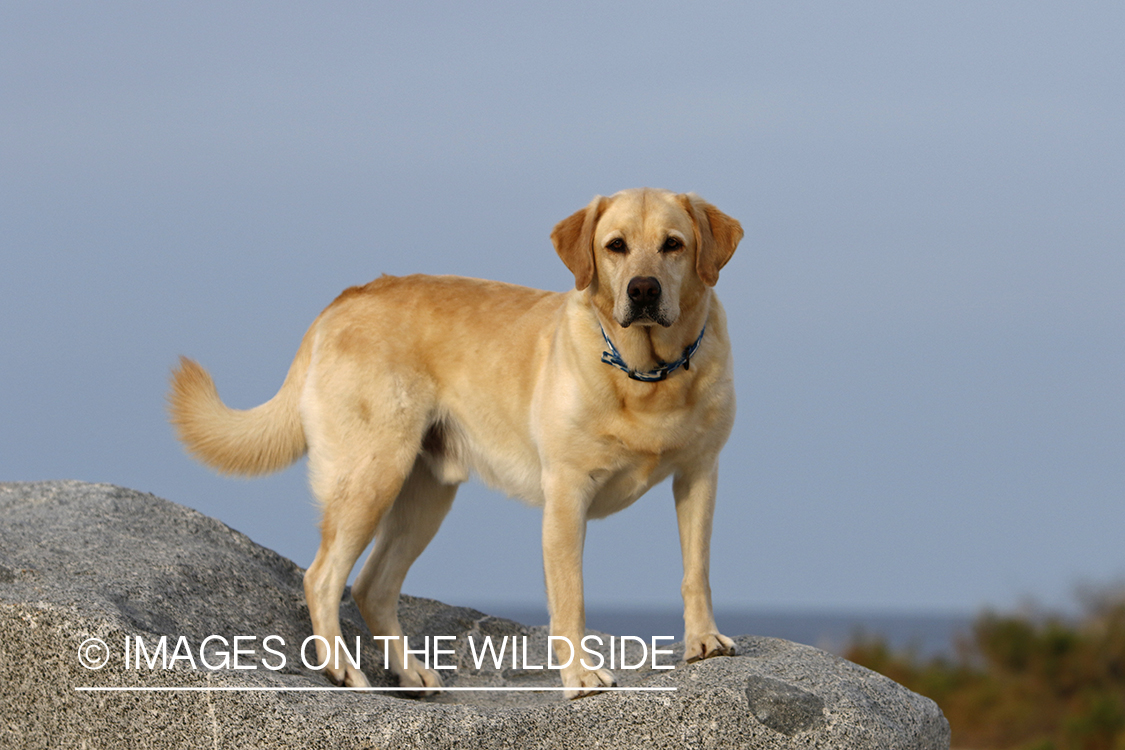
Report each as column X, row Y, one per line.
column 695, row 509
column 564, row 534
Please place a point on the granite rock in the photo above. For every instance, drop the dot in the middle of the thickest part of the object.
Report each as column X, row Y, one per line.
column 92, row 561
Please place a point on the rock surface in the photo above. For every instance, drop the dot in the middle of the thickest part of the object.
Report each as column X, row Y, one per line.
column 81, row 561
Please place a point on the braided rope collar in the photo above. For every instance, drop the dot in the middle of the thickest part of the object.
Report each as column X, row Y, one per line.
column 662, row 370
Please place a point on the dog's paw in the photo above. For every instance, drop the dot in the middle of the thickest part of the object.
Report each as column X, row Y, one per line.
column 348, row 676
column 417, row 676
column 581, row 682
column 706, row 645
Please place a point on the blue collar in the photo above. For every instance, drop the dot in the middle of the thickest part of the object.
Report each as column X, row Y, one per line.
column 663, row 369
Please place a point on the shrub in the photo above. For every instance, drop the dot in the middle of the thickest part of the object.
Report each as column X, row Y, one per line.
column 1024, row 681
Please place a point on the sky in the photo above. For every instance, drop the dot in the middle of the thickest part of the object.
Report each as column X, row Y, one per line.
column 927, row 309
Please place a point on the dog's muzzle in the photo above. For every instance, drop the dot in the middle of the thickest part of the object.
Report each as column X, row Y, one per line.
column 644, row 294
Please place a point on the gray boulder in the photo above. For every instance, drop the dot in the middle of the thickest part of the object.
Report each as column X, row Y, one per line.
column 83, row 561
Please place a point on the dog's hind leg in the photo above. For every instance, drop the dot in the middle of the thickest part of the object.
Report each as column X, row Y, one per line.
column 403, row 533
column 355, row 493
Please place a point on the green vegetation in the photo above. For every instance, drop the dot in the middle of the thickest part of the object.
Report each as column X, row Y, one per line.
column 1025, row 681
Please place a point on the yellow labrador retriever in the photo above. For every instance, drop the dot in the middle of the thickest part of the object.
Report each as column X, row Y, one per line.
column 577, row 402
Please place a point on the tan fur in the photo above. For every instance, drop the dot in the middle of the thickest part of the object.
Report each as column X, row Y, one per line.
column 404, row 387
column 248, row 442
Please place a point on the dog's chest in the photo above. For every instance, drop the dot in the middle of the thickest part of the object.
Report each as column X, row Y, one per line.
column 639, row 432
column 637, row 452
column 624, row 484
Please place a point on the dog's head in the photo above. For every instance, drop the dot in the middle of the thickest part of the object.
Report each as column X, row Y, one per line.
column 646, row 254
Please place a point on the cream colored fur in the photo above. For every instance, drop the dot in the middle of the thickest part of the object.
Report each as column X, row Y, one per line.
column 404, row 387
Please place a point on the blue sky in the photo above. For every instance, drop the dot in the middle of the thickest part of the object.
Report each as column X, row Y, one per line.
column 927, row 309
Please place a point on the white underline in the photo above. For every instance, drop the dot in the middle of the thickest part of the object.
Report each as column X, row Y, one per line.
column 354, row 689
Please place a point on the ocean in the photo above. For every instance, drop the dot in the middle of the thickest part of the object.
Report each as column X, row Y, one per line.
column 926, row 634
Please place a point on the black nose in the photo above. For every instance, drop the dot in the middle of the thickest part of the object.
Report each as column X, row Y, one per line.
column 643, row 290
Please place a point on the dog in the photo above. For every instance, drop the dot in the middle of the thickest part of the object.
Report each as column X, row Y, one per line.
column 577, row 402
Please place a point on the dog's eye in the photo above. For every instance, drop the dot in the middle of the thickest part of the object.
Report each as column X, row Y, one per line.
column 672, row 243
column 616, row 245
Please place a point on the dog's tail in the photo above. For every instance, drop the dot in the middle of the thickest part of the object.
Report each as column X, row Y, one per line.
column 232, row 441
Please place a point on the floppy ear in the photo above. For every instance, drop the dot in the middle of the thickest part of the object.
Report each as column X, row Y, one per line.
column 716, row 237
column 573, row 238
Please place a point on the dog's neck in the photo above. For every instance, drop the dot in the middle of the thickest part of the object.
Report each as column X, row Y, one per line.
column 653, row 353
column 662, row 369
